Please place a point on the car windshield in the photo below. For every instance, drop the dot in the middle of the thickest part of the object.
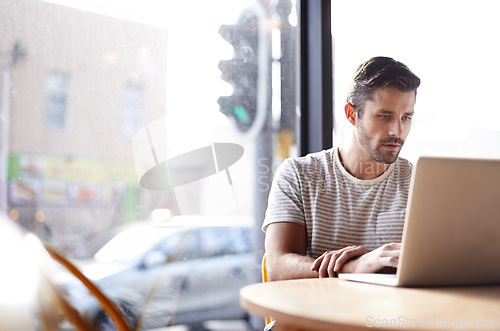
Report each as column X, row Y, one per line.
column 130, row 244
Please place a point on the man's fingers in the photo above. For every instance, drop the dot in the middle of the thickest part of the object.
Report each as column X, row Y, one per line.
column 390, row 260
column 327, row 264
column 353, row 251
column 333, row 263
column 391, row 247
column 323, row 268
column 316, row 264
column 384, row 256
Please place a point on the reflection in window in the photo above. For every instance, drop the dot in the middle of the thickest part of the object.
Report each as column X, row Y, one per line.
column 132, row 109
column 115, row 70
column 57, row 100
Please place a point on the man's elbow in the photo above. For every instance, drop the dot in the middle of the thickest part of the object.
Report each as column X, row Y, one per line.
column 287, row 266
column 272, row 268
column 274, row 277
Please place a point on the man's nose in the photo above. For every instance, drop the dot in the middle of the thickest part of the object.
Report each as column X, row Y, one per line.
column 396, row 128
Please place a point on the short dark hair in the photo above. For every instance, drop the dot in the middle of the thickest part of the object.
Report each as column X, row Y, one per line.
column 380, row 72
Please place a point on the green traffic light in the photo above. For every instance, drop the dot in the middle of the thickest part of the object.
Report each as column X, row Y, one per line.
column 242, row 115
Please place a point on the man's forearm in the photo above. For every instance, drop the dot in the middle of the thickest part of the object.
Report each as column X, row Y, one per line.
column 289, row 266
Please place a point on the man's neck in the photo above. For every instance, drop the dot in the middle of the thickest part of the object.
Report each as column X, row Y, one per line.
column 359, row 164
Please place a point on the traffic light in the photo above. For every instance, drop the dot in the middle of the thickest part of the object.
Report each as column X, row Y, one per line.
column 247, row 71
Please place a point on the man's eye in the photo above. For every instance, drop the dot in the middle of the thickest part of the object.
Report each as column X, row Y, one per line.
column 384, row 117
column 407, row 118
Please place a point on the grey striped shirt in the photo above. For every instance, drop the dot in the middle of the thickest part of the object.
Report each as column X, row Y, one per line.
column 336, row 208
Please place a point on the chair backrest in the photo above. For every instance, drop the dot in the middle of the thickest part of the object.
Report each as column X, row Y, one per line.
column 265, row 279
column 107, row 305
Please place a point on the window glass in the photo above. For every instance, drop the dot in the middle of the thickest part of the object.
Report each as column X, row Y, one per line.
column 129, row 244
column 183, row 245
column 224, row 241
column 133, row 108
column 57, row 100
column 449, row 45
column 164, row 114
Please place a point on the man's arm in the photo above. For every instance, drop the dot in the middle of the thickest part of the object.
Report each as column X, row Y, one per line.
column 286, row 246
column 286, row 257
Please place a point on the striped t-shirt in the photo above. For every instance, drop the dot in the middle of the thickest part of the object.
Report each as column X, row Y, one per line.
column 336, row 208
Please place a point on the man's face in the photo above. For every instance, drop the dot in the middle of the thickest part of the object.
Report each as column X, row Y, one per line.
column 385, row 123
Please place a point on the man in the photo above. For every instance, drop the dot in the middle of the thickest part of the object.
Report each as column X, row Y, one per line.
column 342, row 209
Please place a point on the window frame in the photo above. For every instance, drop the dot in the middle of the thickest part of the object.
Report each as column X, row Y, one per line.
column 316, row 76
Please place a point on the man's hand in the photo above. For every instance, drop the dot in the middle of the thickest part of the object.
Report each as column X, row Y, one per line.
column 357, row 259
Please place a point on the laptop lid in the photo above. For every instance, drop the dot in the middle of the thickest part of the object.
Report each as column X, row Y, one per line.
column 452, row 227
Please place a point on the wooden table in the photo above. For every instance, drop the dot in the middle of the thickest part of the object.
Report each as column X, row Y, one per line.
column 335, row 304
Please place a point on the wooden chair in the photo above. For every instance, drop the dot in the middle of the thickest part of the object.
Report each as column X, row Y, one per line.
column 106, row 304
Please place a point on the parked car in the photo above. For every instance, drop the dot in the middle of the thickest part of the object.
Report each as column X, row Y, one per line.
column 169, row 273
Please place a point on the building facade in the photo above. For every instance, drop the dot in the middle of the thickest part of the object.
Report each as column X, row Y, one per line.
column 76, row 88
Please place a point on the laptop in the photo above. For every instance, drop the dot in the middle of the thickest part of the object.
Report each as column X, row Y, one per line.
column 451, row 235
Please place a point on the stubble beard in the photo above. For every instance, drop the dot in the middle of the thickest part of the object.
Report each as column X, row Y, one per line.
column 376, row 152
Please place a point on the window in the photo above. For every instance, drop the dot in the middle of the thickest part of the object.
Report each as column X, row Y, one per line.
column 448, row 45
column 183, row 107
column 57, row 100
column 133, row 109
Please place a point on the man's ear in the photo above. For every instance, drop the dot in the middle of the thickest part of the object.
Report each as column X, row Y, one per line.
column 350, row 113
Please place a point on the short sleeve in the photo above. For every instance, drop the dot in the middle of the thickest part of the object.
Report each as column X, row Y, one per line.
column 285, row 203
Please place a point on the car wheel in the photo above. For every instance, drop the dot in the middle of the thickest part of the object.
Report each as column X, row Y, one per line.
column 197, row 327
column 103, row 322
